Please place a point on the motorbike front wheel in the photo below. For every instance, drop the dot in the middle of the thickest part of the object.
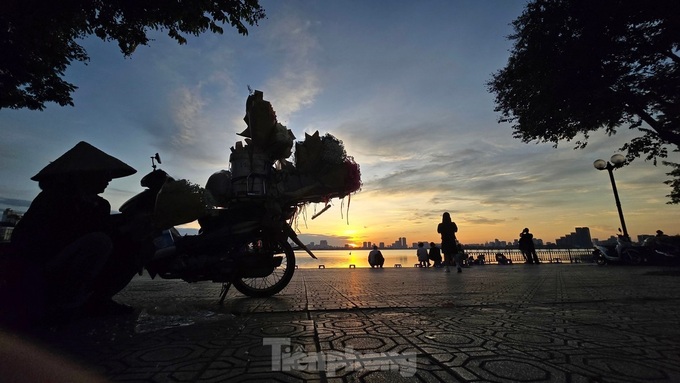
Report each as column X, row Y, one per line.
column 274, row 282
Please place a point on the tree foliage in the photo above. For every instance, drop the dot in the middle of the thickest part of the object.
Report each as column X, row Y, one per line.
column 578, row 66
column 39, row 38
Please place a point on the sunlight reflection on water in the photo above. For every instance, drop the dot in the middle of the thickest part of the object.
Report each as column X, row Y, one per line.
column 359, row 258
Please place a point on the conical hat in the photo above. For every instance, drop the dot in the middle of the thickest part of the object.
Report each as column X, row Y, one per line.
column 85, row 158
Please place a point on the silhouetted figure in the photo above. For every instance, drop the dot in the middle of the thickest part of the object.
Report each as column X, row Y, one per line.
column 501, row 259
column 459, row 256
column 435, row 255
column 448, row 230
column 422, row 255
column 68, row 240
column 375, row 258
column 526, row 246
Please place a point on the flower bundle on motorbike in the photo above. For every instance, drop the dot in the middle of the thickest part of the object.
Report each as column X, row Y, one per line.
column 321, row 170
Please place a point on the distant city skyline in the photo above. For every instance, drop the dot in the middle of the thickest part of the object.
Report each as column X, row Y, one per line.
column 580, row 237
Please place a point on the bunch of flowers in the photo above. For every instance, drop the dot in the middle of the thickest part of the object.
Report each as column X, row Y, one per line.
column 323, row 170
column 264, row 133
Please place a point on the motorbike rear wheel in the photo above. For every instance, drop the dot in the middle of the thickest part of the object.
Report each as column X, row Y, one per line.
column 634, row 256
column 274, row 282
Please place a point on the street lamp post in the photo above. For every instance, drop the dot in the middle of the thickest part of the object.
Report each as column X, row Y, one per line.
column 615, row 162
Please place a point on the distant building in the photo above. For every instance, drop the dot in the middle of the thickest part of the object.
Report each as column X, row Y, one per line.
column 610, row 241
column 9, row 220
column 5, row 232
column 580, row 238
column 10, row 217
column 496, row 244
column 400, row 243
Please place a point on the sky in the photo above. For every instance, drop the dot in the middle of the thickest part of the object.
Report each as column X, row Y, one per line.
column 402, row 85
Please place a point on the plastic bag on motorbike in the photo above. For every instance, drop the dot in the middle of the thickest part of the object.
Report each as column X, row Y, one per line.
column 178, row 202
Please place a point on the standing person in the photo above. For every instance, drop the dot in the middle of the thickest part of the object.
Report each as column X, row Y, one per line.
column 435, row 255
column 448, row 230
column 76, row 253
column 422, row 255
column 524, row 246
column 375, row 258
column 528, row 240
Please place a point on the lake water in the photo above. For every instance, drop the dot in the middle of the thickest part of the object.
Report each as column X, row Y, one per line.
column 407, row 257
column 359, row 258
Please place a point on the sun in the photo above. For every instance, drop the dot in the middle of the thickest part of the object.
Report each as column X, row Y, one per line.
column 353, row 239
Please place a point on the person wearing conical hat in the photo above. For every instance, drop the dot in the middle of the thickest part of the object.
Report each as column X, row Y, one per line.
column 68, row 237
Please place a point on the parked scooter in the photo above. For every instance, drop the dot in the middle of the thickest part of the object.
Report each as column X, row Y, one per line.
column 623, row 252
column 663, row 249
column 245, row 245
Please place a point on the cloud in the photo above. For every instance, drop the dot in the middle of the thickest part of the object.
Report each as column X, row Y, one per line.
column 295, row 82
column 188, row 107
column 332, row 239
column 14, row 202
column 478, row 220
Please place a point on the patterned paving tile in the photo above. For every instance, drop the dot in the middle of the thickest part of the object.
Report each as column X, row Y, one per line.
column 556, row 323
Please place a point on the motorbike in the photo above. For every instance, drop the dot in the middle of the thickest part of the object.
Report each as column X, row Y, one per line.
column 622, row 252
column 663, row 249
column 245, row 244
column 245, row 213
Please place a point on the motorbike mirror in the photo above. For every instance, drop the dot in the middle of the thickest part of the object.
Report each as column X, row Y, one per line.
column 155, row 158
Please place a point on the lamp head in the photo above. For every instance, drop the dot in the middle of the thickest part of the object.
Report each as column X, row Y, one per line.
column 600, row 164
column 618, row 160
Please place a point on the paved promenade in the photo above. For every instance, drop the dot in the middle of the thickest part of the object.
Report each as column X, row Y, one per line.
column 530, row 323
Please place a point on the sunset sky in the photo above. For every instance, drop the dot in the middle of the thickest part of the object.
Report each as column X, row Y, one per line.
column 401, row 83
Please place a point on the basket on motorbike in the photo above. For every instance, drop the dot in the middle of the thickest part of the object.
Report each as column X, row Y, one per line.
column 250, row 172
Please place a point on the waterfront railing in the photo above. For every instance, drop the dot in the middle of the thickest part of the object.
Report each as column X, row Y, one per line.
column 357, row 258
column 544, row 255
